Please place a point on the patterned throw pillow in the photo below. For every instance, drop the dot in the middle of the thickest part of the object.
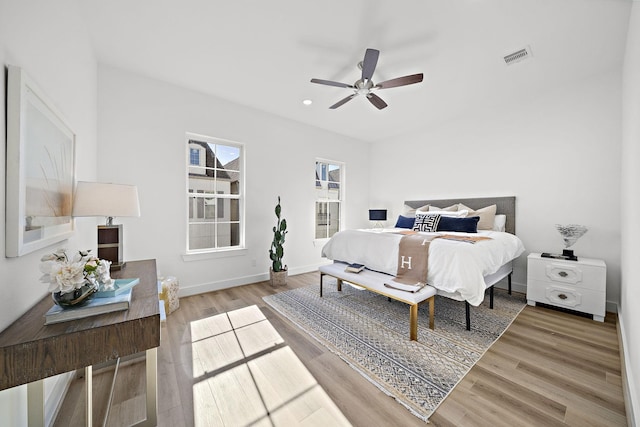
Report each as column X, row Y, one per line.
column 426, row 222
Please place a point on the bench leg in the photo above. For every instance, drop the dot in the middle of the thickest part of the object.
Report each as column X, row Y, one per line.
column 432, row 312
column 321, row 277
column 339, row 285
column 413, row 322
column 509, row 281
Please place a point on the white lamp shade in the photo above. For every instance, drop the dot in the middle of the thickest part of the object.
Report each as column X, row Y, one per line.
column 105, row 199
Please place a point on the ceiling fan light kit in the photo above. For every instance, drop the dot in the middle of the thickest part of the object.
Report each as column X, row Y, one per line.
column 365, row 85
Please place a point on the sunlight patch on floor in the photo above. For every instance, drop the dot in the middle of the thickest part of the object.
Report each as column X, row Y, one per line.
column 245, row 374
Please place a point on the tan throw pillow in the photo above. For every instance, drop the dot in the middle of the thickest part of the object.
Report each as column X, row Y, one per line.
column 411, row 212
column 487, row 216
column 451, row 208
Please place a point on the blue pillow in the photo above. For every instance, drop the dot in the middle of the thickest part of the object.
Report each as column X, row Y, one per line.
column 405, row 222
column 464, row 225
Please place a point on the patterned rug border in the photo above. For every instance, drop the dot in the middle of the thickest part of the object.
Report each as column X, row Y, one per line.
column 279, row 300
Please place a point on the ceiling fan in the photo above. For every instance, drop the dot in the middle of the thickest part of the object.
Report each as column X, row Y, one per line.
column 365, row 86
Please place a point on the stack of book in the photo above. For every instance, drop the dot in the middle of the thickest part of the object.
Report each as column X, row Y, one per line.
column 354, row 268
column 100, row 304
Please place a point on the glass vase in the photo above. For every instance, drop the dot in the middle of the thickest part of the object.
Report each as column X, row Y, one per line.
column 77, row 297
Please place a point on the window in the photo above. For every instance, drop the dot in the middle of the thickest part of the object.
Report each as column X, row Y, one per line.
column 329, row 176
column 194, row 156
column 215, row 194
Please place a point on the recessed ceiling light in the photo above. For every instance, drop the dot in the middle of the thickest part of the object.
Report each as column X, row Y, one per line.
column 307, row 102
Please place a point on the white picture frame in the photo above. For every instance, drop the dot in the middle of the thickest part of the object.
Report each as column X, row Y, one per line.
column 40, row 169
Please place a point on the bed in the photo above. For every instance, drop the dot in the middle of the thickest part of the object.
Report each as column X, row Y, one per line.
column 457, row 269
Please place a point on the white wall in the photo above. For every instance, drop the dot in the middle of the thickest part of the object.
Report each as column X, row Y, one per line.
column 49, row 41
column 559, row 154
column 629, row 294
column 142, row 125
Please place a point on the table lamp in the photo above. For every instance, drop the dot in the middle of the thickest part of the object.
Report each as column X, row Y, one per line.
column 377, row 215
column 107, row 200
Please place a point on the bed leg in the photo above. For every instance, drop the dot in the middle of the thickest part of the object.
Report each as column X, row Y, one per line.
column 509, row 280
column 468, row 315
column 321, row 276
column 491, row 298
column 413, row 322
column 339, row 285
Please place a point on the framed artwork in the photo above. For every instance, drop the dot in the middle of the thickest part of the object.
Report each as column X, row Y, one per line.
column 40, row 169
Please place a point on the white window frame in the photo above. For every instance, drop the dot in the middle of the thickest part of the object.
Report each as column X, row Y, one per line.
column 341, row 199
column 196, row 254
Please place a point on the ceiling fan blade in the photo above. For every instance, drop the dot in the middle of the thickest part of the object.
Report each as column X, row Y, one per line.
column 377, row 101
column 342, row 102
column 369, row 63
column 331, row 83
column 400, row 81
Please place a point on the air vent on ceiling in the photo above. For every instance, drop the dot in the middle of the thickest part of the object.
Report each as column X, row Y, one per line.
column 518, row 56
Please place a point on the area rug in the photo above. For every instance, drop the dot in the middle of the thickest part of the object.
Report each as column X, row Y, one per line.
column 371, row 334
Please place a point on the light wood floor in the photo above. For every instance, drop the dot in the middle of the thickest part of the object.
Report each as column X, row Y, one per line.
column 549, row 368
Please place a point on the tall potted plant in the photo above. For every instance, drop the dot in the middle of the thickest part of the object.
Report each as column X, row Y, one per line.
column 277, row 271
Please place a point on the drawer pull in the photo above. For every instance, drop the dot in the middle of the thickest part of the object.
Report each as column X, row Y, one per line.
column 562, row 296
column 563, row 274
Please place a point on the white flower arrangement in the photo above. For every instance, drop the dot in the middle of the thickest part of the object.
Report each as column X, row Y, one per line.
column 66, row 275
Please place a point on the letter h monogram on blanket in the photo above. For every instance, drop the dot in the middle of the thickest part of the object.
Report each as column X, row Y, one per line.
column 413, row 257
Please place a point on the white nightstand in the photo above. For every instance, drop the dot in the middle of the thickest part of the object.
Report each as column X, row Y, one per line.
column 576, row 285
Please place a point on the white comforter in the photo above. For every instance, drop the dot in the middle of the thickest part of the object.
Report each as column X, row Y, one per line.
column 455, row 268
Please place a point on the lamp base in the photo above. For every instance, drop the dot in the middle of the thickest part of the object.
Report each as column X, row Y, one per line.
column 110, row 245
column 116, row 267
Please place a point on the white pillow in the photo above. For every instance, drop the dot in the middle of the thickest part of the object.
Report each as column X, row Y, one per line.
column 457, row 214
column 499, row 222
column 451, row 208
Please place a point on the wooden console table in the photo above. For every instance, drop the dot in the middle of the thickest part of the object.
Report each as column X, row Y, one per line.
column 31, row 351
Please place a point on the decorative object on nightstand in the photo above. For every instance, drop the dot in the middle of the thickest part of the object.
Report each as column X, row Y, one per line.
column 107, row 200
column 377, row 215
column 575, row 285
column 570, row 234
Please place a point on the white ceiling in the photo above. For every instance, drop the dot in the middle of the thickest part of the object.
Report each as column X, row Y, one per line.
column 263, row 53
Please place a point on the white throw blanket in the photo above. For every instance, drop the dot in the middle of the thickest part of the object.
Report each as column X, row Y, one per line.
column 455, row 268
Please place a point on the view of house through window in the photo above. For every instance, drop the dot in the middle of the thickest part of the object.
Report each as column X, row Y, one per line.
column 214, row 194
column 329, row 176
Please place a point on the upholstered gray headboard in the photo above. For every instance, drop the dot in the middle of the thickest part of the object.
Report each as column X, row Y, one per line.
column 504, row 205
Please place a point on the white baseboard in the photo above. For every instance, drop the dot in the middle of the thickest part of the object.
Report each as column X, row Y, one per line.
column 238, row 281
column 221, row 284
column 629, row 389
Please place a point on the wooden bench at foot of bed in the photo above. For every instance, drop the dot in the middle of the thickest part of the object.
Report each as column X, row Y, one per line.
column 374, row 282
